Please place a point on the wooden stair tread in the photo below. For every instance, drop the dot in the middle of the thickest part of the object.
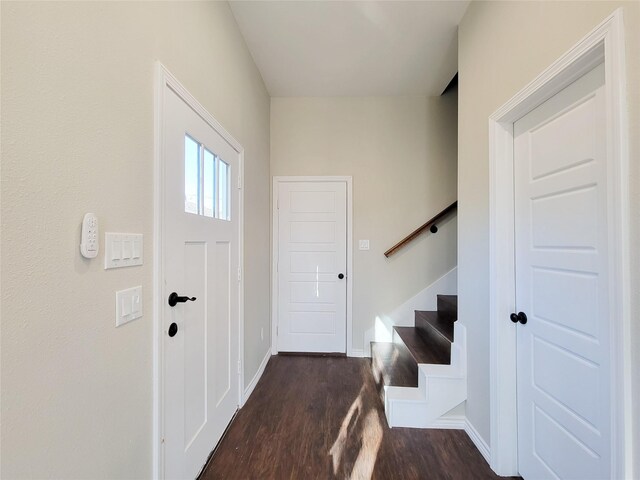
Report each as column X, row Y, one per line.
column 423, row 350
column 442, row 324
column 428, row 342
column 392, row 364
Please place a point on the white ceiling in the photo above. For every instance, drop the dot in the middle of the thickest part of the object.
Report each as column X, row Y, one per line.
column 343, row 48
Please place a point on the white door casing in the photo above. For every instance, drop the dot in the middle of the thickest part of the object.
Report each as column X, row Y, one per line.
column 604, row 43
column 198, row 376
column 561, row 232
column 311, row 237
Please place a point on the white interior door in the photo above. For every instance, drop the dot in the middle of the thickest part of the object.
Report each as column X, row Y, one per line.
column 200, row 259
column 312, row 261
column 562, row 285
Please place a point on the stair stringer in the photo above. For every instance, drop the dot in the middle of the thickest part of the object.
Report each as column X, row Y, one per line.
column 440, row 388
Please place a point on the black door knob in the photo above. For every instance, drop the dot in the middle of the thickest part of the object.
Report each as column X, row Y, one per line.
column 174, row 298
column 173, row 329
column 341, row 276
column 518, row 317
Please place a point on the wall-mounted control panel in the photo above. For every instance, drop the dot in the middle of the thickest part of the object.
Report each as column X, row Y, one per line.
column 90, row 242
column 128, row 305
column 122, row 250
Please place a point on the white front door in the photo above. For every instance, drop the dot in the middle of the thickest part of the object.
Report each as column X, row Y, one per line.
column 200, row 261
column 312, row 261
column 562, row 282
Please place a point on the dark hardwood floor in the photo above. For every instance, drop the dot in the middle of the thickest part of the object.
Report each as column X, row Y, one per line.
column 321, row 418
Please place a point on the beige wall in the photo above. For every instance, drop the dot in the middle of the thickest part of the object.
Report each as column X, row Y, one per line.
column 77, row 136
column 401, row 152
column 503, row 46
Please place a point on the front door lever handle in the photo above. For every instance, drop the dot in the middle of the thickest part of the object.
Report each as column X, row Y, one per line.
column 174, row 299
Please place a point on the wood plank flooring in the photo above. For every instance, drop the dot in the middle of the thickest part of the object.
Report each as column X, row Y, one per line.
column 321, row 418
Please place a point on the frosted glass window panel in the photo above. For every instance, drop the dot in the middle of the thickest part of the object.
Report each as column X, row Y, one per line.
column 192, row 191
column 224, row 173
column 209, row 183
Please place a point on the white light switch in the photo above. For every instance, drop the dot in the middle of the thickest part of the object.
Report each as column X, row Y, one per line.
column 122, row 250
column 128, row 305
column 127, row 247
column 136, row 303
column 364, row 244
column 125, row 307
column 116, row 250
column 137, row 247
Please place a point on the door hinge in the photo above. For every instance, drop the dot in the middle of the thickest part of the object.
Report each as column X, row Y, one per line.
column 239, row 273
column 278, row 203
column 239, row 366
column 239, row 181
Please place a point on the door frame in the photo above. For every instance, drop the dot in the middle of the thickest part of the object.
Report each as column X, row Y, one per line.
column 275, row 244
column 604, row 43
column 165, row 79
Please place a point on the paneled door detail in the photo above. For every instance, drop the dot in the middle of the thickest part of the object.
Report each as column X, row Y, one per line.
column 200, row 265
column 562, row 272
column 312, row 259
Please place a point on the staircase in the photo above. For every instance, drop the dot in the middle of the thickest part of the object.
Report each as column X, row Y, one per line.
column 422, row 374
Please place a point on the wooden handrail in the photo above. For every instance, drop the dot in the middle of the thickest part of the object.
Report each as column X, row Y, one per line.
column 419, row 230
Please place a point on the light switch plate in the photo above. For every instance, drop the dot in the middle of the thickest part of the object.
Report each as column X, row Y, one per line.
column 122, row 250
column 364, row 244
column 128, row 305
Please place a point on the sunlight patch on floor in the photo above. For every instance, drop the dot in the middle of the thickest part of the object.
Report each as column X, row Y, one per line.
column 371, row 440
column 358, row 428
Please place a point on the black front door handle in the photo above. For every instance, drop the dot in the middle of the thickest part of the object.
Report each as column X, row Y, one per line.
column 518, row 317
column 174, row 298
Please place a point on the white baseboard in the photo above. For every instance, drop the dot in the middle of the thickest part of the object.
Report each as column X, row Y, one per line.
column 256, row 378
column 357, row 353
column 477, row 440
column 453, row 422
